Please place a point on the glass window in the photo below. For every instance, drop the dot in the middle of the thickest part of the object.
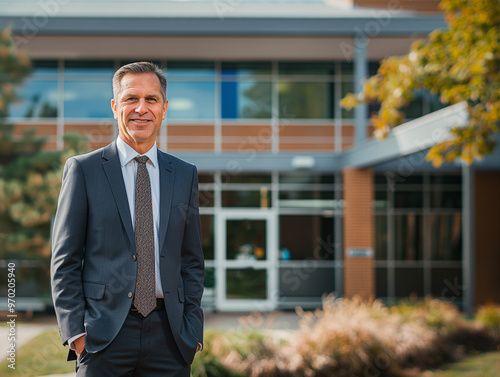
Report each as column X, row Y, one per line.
column 190, row 69
column 246, row 283
column 408, row 199
column 434, row 102
column 306, row 237
column 207, row 235
column 447, row 283
column 38, row 99
column 247, row 198
column 373, row 68
column 381, row 237
column 307, row 199
column 209, row 283
column 247, row 178
column 381, row 201
column 346, row 68
column 246, row 240
column 381, row 283
column 446, row 180
column 415, row 109
column 409, row 281
column 191, row 100
column 306, row 100
column 409, row 237
column 44, row 68
column 206, row 198
column 306, row 281
column 89, row 67
column 205, row 178
column 245, row 99
column 245, row 69
column 307, row 68
column 446, row 236
column 88, row 99
column 446, row 199
column 306, row 179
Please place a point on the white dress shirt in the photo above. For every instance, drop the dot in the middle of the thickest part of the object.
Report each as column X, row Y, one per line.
column 129, row 171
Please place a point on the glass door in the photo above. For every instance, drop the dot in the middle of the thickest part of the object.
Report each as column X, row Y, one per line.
column 247, row 261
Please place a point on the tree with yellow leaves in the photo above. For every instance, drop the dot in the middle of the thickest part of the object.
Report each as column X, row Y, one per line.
column 460, row 63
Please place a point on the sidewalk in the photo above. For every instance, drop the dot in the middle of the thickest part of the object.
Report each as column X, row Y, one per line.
column 278, row 323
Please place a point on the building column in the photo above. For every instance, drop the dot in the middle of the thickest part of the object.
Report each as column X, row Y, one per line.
column 359, row 273
column 486, row 238
column 360, row 75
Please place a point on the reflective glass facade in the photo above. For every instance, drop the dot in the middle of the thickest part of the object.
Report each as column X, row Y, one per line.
column 418, row 234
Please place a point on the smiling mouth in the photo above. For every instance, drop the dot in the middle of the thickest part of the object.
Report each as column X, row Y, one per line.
column 141, row 121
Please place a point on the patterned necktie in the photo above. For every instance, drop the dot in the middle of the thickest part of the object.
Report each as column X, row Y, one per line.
column 145, row 290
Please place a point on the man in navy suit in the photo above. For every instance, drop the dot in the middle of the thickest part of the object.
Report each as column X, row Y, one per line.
column 97, row 252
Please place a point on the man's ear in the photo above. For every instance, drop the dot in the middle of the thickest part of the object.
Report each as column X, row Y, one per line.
column 165, row 106
column 113, row 108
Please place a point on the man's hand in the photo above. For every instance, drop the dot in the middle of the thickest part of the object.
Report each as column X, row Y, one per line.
column 79, row 345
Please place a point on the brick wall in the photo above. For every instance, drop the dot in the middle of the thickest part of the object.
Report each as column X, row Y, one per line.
column 395, row 5
column 487, row 237
column 359, row 273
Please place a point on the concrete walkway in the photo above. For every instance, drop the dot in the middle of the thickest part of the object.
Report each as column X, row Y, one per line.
column 280, row 324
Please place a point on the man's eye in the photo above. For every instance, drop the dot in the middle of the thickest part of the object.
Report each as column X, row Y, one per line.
column 152, row 99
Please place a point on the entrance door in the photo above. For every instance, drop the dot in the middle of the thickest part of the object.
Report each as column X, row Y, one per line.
column 246, row 256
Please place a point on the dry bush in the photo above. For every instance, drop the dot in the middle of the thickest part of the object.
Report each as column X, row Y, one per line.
column 350, row 337
column 489, row 317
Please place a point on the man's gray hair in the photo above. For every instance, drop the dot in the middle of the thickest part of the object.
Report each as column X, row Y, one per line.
column 138, row 68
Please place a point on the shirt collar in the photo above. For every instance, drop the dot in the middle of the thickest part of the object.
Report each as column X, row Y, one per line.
column 127, row 153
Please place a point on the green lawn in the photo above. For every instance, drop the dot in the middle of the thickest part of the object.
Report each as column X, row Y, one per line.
column 483, row 365
column 41, row 356
column 45, row 355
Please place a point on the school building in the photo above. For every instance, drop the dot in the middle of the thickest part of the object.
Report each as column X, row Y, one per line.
column 297, row 199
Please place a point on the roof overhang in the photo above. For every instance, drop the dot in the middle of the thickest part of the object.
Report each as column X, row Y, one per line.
column 407, row 139
column 242, row 18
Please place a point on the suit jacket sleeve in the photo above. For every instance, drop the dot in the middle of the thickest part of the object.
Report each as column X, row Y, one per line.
column 193, row 265
column 68, row 248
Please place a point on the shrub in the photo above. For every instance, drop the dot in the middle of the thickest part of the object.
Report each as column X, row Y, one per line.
column 351, row 337
column 489, row 317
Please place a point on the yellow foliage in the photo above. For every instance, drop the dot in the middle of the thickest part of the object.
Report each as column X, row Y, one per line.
column 460, row 63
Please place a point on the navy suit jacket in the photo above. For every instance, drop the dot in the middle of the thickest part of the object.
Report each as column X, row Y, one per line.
column 93, row 269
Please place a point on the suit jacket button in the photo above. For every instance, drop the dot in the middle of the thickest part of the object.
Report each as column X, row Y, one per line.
column 130, row 294
column 134, row 257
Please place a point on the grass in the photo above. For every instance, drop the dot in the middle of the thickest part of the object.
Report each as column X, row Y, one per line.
column 43, row 355
column 484, row 365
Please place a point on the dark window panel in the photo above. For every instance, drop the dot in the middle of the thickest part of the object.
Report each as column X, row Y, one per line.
column 207, row 236
column 409, row 281
column 306, row 100
column 248, row 199
column 381, row 237
column 409, row 237
column 306, row 237
column 446, row 236
column 246, row 99
column 306, row 281
column 381, row 283
column 307, row 68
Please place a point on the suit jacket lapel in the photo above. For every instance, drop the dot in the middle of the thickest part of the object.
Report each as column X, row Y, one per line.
column 166, row 192
column 112, row 168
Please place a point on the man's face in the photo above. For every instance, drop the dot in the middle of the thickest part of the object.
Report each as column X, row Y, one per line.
column 139, row 110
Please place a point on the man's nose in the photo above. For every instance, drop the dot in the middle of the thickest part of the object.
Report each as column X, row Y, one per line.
column 141, row 107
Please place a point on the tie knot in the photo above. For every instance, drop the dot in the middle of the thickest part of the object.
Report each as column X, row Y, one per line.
column 142, row 159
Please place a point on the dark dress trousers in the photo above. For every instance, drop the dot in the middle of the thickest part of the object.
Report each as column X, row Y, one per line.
column 94, row 262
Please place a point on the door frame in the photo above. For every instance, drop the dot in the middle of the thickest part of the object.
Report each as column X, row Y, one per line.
column 270, row 264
